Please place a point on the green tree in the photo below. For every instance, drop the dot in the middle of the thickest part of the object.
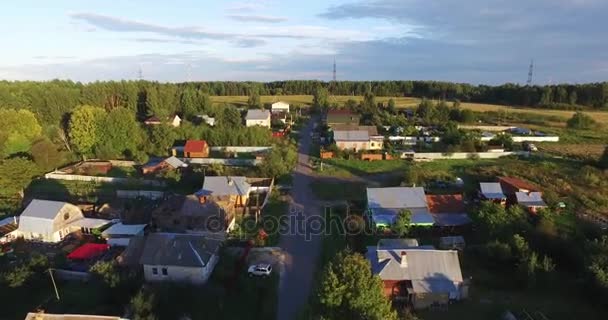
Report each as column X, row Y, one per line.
column 106, row 272
column 403, row 222
column 15, row 175
column 392, row 108
column 161, row 139
column 505, row 140
column 581, row 121
column 603, row 161
column 254, row 101
column 19, row 129
column 142, row 305
column 120, row 134
column 320, row 99
column 281, row 160
column 46, row 154
column 348, row 290
column 85, row 128
column 573, row 97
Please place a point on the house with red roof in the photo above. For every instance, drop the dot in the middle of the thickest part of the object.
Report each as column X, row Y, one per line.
column 195, row 149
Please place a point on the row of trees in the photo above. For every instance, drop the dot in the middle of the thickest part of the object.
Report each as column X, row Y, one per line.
column 52, row 100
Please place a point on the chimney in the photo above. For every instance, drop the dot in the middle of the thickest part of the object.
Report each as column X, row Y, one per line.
column 403, row 259
column 230, row 182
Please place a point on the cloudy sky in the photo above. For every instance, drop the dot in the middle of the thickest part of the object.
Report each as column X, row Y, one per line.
column 476, row 41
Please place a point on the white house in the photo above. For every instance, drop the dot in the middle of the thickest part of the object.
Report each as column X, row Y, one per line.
column 176, row 121
column 174, row 257
column 120, row 234
column 51, row 221
column 280, row 107
column 256, row 117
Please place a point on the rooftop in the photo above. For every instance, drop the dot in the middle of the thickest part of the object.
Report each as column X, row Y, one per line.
column 224, row 186
column 257, row 114
column 517, row 184
column 351, row 135
column 445, row 203
column 491, row 190
column 530, row 199
column 371, row 130
column 173, row 249
column 396, row 198
column 195, row 146
column 124, row 229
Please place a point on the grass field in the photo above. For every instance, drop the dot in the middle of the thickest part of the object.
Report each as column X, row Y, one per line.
column 405, row 102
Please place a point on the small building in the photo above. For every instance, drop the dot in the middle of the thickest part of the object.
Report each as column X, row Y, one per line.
column 448, row 210
column 257, row 117
column 280, row 107
column 171, row 163
column 51, row 221
column 152, row 121
column 342, row 116
column 194, row 149
column 121, row 234
column 206, row 119
column 228, row 191
column 357, row 140
column 421, row 277
column 176, row 121
column 492, row 191
column 511, row 185
column 183, row 258
column 384, row 204
column 533, row 201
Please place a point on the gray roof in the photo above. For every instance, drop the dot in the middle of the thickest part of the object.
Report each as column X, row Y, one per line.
column 351, row 135
column 491, row 190
column 175, row 162
column 44, row 209
column 530, row 199
column 428, row 270
column 257, row 114
column 397, row 243
column 174, row 249
column 451, row 219
column 397, row 198
column 224, row 186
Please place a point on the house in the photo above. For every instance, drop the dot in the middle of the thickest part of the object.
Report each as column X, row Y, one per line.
column 533, row 201
column 228, row 191
column 52, row 316
column 343, row 116
column 256, row 117
column 357, row 140
column 176, row 121
column 51, row 221
column 421, row 277
column 206, row 119
column 371, row 130
column 171, row 163
column 185, row 258
column 448, row 210
column 383, row 205
column 492, row 191
column 152, row 121
column 194, row 149
column 280, row 107
column 121, row 234
column 511, row 185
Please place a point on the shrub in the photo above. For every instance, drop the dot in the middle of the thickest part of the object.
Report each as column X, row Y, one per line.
column 581, row 121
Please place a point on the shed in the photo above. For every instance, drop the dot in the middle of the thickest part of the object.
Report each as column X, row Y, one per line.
column 196, row 149
column 492, row 191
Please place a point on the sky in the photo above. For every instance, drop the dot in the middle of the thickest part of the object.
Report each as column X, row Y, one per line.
column 472, row 41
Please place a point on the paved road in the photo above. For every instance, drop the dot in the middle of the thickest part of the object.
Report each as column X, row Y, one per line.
column 300, row 255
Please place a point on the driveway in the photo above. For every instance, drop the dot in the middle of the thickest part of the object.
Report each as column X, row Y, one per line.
column 300, row 254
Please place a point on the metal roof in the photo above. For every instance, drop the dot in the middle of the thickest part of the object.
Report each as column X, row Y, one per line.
column 530, row 199
column 45, row 209
column 224, row 186
column 123, row 229
column 90, row 223
column 257, row 114
column 175, row 162
column 429, row 270
column 173, row 249
column 396, row 198
column 351, row 135
column 491, row 190
column 39, row 215
column 451, row 219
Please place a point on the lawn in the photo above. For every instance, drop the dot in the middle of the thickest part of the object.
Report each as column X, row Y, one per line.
column 338, row 190
column 347, row 168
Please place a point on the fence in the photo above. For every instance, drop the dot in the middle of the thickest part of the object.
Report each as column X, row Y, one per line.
column 70, row 275
column 123, row 163
column 111, row 180
column 239, row 149
column 486, row 128
column 132, row 194
column 227, row 162
column 462, row 155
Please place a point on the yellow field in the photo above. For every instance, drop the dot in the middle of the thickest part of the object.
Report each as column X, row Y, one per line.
column 403, row 102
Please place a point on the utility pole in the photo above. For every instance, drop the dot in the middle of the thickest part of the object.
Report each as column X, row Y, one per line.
column 54, row 284
column 334, row 75
column 530, row 72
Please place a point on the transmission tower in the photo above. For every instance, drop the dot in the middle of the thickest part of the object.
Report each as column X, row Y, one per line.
column 530, row 72
column 140, row 73
column 334, row 69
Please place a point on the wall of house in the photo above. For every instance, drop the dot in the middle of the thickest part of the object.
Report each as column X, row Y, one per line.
column 75, row 177
column 193, row 275
column 425, row 300
column 201, row 154
column 353, row 145
column 263, row 123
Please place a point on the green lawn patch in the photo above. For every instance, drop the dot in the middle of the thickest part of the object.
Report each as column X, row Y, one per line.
column 346, row 168
column 342, row 190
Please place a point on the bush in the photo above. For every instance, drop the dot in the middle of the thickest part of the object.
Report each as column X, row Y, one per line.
column 581, row 121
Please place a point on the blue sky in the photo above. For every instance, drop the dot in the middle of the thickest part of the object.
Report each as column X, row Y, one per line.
column 476, row 41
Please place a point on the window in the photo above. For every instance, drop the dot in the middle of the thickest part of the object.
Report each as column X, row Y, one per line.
column 66, row 216
column 155, row 271
column 164, row 271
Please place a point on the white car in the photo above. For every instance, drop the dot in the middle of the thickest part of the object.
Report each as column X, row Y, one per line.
column 260, row 270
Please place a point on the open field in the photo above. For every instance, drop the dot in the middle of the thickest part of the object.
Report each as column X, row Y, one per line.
column 404, row 102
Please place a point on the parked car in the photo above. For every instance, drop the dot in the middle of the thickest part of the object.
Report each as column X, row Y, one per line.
column 530, row 146
column 259, row 270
